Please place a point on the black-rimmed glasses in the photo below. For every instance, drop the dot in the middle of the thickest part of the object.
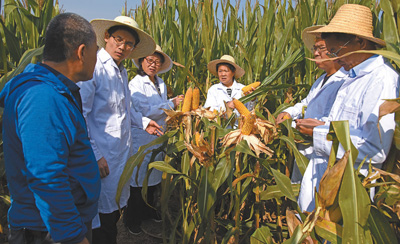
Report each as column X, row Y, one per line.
column 119, row 41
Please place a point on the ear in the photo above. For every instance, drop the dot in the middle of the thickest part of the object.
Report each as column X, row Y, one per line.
column 106, row 36
column 81, row 52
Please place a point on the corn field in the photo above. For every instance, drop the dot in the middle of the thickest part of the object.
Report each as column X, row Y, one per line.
column 221, row 185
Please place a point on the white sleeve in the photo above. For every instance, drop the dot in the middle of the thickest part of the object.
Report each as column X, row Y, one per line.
column 88, row 91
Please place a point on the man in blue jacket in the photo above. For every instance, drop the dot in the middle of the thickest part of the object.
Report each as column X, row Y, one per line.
column 51, row 170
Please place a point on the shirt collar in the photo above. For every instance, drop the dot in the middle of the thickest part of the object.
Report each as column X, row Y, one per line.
column 235, row 86
column 105, row 57
column 67, row 82
column 366, row 66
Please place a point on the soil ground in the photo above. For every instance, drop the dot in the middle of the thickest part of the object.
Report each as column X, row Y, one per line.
column 124, row 237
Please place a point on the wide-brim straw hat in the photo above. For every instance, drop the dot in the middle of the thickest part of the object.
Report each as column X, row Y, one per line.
column 309, row 39
column 212, row 66
column 166, row 66
column 352, row 19
column 146, row 45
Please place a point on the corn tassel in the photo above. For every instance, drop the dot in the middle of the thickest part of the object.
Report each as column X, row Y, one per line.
column 187, row 102
column 195, row 98
column 240, row 107
column 248, row 124
column 249, row 87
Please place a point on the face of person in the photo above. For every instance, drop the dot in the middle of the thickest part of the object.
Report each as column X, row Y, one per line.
column 225, row 75
column 319, row 51
column 340, row 47
column 151, row 64
column 119, row 45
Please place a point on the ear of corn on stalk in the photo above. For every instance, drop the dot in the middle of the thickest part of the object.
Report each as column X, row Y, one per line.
column 248, row 124
column 195, row 98
column 249, row 87
column 187, row 102
column 241, row 108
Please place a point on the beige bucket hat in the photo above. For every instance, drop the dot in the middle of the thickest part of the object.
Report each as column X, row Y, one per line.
column 352, row 19
column 309, row 39
column 212, row 66
column 165, row 67
column 146, row 45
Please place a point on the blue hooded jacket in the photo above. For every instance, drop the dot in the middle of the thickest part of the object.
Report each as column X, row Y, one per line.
column 51, row 170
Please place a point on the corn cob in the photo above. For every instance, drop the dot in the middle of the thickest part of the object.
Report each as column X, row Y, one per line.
column 248, row 124
column 187, row 102
column 248, row 87
column 240, row 107
column 195, row 98
column 197, row 138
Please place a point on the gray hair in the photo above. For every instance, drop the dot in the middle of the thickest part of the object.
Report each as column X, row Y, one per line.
column 65, row 33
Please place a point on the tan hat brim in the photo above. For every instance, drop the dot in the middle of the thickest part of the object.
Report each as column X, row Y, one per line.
column 340, row 29
column 145, row 47
column 310, row 38
column 212, row 67
column 165, row 67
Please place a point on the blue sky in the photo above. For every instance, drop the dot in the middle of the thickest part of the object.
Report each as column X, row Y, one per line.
column 106, row 9
column 97, row 9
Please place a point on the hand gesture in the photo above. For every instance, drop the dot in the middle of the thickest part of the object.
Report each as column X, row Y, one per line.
column 103, row 167
column 154, row 129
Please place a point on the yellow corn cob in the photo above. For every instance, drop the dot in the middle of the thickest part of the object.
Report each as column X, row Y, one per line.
column 195, row 98
column 240, row 107
column 248, row 87
column 197, row 138
column 187, row 102
column 248, row 124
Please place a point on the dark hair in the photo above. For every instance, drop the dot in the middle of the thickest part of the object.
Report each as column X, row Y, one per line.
column 140, row 68
column 125, row 28
column 65, row 33
column 230, row 66
column 338, row 36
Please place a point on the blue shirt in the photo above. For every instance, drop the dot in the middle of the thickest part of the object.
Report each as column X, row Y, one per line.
column 51, row 170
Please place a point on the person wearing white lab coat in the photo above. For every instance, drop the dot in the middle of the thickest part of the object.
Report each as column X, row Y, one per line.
column 228, row 88
column 149, row 96
column 371, row 79
column 107, row 110
column 319, row 100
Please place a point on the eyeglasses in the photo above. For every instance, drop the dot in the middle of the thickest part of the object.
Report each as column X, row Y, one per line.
column 318, row 49
column 119, row 41
column 335, row 54
column 151, row 61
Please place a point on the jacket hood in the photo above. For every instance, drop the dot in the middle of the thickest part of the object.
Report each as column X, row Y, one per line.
column 31, row 72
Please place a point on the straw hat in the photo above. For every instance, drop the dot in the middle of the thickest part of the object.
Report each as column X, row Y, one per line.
column 146, row 45
column 308, row 38
column 166, row 66
column 352, row 19
column 212, row 66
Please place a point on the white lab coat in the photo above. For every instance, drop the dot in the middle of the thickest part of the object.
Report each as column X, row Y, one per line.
column 357, row 101
column 217, row 94
column 319, row 102
column 106, row 108
column 147, row 101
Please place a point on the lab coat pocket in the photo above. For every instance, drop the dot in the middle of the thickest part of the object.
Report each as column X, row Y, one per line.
column 349, row 113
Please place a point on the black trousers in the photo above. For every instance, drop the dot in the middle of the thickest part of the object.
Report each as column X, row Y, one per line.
column 107, row 233
column 137, row 209
column 26, row 236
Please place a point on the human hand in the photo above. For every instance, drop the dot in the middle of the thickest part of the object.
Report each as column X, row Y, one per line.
column 306, row 126
column 282, row 117
column 177, row 100
column 103, row 167
column 231, row 105
column 154, row 129
column 250, row 91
